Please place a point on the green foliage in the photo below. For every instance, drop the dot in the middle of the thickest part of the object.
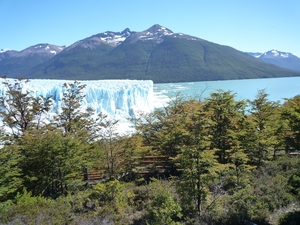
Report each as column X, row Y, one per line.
column 291, row 113
column 72, row 120
column 112, row 146
column 165, row 127
column 290, row 218
column 52, row 163
column 111, row 191
column 11, row 179
column 225, row 114
column 19, row 110
column 294, row 182
column 162, row 209
column 37, row 210
column 262, row 127
column 5, row 207
column 266, row 193
column 221, row 165
column 28, row 206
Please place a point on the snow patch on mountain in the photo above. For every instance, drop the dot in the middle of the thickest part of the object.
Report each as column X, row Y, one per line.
column 254, row 54
column 273, row 54
column 154, row 32
column 109, row 37
column 113, row 39
column 157, row 33
column 40, row 49
column 4, row 50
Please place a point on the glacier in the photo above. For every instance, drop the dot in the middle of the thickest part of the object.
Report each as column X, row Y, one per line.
column 118, row 99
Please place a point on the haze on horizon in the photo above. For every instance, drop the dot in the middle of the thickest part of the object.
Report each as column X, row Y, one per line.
column 252, row 26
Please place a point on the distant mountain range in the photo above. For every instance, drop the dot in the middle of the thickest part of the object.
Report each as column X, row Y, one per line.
column 16, row 64
column 157, row 54
column 282, row 59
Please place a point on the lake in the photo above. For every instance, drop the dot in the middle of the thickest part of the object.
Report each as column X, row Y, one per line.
column 277, row 88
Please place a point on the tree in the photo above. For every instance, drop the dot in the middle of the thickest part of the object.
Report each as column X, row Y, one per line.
column 134, row 151
column 72, row 118
column 291, row 113
column 163, row 209
column 262, row 129
column 226, row 115
column 10, row 172
column 20, row 109
column 51, row 163
column 164, row 127
column 196, row 159
column 238, row 168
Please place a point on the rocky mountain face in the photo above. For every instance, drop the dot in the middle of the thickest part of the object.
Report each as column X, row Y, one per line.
column 282, row 59
column 157, row 54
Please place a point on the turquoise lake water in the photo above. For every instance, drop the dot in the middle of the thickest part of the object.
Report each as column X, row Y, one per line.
column 277, row 88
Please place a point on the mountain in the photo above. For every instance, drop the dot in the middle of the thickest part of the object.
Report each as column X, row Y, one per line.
column 282, row 59
column 80, row 58
column 17, row 63
column 156, row 54
column 4, row 54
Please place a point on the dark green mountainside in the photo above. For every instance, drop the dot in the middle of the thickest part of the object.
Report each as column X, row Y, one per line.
column 75, row 63
column 14, row 66
column 157, row 54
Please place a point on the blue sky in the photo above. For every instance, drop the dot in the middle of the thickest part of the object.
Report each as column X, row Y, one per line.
column 247, row 25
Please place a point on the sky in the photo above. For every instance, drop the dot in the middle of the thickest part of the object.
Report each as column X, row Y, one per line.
column 246, row 25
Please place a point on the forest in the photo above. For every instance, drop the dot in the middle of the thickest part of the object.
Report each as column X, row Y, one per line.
column 208, row 161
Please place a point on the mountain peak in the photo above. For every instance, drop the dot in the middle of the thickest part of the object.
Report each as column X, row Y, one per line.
column 4, row 50
column 156, row 33
column 43, row 48
column 158, row 29
column 277, row 54
column 272, row 54
column 6, row 53
column 109, row 37
column 282, row 59
column 126, row 31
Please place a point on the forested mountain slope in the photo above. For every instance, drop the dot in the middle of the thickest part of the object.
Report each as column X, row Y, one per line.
column 156, row 53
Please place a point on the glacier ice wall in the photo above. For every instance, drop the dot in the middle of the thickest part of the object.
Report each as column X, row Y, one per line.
column 119, row 99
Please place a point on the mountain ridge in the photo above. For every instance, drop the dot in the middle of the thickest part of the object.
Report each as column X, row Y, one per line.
column 156, row 53
column 285, row 60
column 16, row 62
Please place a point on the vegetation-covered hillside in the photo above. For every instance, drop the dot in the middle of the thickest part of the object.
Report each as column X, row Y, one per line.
column 209, row 161
column 157, row 54
column 172, row 60
column 21, row 65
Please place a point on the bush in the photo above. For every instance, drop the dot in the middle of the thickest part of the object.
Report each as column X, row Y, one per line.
column 290, row 218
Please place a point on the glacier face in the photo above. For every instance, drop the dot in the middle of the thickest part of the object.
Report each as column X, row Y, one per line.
column 118, row 99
